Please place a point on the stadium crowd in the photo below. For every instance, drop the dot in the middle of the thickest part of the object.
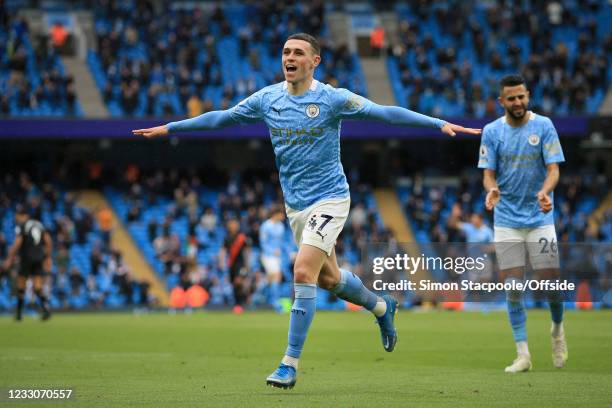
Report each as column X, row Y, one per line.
column 189, row 228
column 177, row 61
column 451, row 54
column 433, row 208
column 32, row 77
column 87, row 271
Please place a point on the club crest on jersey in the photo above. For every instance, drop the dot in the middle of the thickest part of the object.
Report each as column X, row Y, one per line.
column 312, row 110
column 533, row 140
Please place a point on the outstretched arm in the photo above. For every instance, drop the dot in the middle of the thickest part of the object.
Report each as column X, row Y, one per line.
column 396, row 115
column 206, row 121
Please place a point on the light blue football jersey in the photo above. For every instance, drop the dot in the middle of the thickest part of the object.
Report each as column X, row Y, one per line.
column 305, row 134
column 519, row 157
column 272, row 237
column 475, row 235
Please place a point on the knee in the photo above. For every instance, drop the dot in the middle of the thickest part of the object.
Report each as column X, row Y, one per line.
column 303, row 274
column 328, row 282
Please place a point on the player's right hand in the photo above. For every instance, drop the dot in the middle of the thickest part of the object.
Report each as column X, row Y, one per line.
column 492, row 198
column 152, row 132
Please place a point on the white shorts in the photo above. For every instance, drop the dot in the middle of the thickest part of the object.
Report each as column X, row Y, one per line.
column 541, row 242
column 271, row 264
column 320, row 224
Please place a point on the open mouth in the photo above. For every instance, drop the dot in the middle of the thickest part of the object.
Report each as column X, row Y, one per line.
column 290, row 68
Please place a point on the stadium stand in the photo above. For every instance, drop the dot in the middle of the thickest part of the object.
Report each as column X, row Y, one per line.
column 451, row 54
column 182, row 58
column 187, row 60
column 434, row 205
column 32, row 77
column 430, row 205
column 86, row 273
column 180, row 226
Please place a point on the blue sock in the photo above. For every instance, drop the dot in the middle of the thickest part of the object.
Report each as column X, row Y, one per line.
column 516, row 312
column 351, row 288
column 273, row 293
column 556, row 310
column 302, row 312
column 518, row 319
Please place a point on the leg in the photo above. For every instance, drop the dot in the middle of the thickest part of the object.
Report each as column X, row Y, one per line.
column 555, row 298
column 510, row 249
column 21, row 285
column 39, row 281
column 544, row 257
column 518, row 322
column 315, row 229
column 348, row 286
column 272, row 266
column 516, row 307
column 306, row 272
column 557, row 333
column 237, row 286
column 274, row 281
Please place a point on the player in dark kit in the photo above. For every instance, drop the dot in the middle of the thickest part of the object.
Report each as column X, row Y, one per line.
column 233, row 256
column 34, row 246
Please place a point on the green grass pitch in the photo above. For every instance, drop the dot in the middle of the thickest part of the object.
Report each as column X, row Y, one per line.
column 442, row 359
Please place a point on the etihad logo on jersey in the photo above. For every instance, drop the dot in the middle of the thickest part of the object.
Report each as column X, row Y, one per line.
column 291, row 136
column 517, row 161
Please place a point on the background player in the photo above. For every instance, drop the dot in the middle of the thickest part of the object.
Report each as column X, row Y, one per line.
column 304, row 117
column 520, row 153
column 272, row 240
column 33, row 244
column 234, row 256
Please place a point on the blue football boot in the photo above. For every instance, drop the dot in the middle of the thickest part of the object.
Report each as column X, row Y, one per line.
column 388, row 333
column 284, row 377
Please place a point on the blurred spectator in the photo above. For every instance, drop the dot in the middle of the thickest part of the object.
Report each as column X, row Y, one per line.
column 3, row 245
column 105, row 223
column 59, row 35
column 195, row 106
column 377, row 41
column 76, row 281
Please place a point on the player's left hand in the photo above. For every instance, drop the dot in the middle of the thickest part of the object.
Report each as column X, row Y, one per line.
column 452, row 130
column 544, row 201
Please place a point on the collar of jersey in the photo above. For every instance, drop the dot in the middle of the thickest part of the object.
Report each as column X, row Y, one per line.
column 313, row 87
column 531, row 117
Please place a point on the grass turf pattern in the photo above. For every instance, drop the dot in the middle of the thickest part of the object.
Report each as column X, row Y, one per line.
column 442, row 359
